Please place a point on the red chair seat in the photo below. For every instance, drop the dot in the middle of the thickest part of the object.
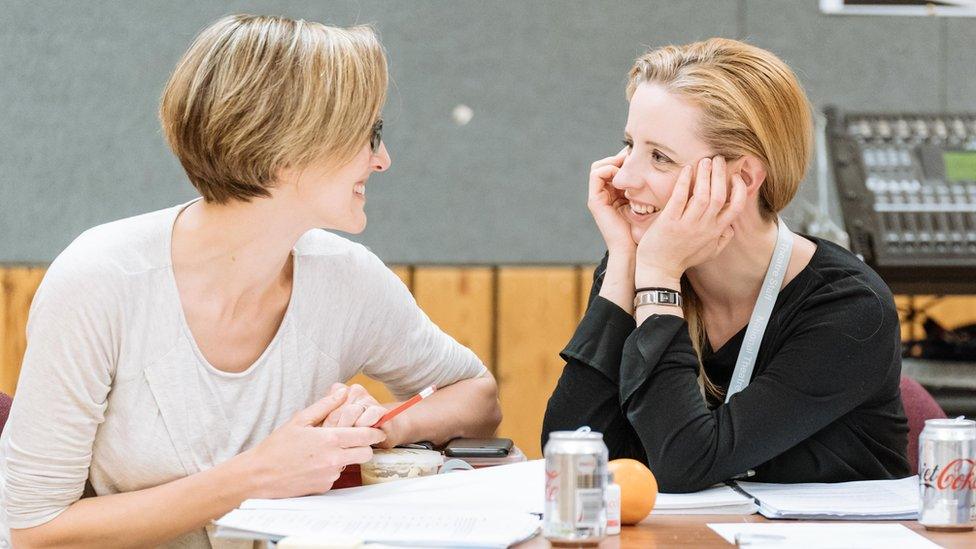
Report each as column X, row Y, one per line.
column 919, row 406
column 5, row 403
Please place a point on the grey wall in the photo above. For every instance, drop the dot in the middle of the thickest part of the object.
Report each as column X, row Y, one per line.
column 79, row 84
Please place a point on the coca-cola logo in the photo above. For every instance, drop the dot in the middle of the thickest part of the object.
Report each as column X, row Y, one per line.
column 552, row 487
column 958, row 474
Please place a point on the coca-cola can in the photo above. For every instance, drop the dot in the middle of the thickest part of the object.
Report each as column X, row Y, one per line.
column 576, row 485
column 947, row 488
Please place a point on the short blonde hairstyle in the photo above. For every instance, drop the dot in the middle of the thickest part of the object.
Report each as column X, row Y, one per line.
column 255, row 94
column 750, row 103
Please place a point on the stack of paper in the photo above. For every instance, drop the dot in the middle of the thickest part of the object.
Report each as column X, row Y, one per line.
column 717, row 500
column 492, row 507
column 862, row 500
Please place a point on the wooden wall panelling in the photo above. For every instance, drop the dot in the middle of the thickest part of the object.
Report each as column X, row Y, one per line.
column 18, row 285
column 537, row 313
column 909, row 328
column 376, row 388
column 461, row 301
column 951, row 312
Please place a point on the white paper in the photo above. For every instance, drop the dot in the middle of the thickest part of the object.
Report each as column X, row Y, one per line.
column 860, row 500
column 430, row 526
column 848, row 535
column 717, row 500
column 515, row 487
column 518, row 486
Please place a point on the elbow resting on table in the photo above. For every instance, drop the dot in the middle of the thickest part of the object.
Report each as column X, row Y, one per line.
column 682, row 474
column 485, row 398
column 672, row 484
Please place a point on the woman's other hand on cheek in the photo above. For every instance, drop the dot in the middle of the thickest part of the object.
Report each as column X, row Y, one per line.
column 605, row 203
column 694, row 226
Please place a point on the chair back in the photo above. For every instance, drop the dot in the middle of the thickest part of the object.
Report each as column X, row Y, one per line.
column 5, row 402
column 919, row 406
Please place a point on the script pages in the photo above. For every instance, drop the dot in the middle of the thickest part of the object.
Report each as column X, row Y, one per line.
column 862, row 500
column 491, row 507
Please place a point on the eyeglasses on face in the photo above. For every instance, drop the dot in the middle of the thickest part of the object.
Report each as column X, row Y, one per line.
column 376, row 136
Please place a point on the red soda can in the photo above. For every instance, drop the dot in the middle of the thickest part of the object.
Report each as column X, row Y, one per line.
column 947, row 465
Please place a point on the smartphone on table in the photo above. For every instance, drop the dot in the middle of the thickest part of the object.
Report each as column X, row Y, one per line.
column 478, row 447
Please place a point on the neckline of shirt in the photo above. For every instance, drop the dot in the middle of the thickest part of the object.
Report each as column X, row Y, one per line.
column 174, row 294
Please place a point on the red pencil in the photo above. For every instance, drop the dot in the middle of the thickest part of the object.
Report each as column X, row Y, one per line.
column 413, row 400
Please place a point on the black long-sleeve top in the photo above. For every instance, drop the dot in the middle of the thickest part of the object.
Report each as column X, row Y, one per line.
column 823, row 405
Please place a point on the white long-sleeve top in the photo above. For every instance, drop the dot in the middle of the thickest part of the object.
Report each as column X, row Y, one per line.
column 114, row 390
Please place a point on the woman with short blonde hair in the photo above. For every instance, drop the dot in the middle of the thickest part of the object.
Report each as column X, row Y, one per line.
column 793, row 340
column 182, row 361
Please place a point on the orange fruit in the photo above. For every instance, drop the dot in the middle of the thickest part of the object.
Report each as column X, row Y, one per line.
column 638, row 489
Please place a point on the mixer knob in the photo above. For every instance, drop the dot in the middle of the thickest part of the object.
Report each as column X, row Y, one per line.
column 891, row 157
column 883, row 128
column 958, row 128
column 864, row 128
column 905, row 158
column 902, row 129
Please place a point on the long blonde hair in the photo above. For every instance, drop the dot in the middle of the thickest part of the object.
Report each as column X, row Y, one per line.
column 751, row 103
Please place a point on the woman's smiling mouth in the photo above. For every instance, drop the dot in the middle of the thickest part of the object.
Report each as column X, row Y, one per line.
column 638, row 212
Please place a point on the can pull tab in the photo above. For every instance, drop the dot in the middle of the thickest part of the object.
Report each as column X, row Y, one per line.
column 584, row 429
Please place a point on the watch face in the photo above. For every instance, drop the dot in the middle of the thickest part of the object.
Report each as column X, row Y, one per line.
column 667, row 298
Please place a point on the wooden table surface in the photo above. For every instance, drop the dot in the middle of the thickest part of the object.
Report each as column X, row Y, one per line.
column 692, row 531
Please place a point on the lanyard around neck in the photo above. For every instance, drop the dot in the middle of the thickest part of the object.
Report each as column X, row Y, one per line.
column 773, row 281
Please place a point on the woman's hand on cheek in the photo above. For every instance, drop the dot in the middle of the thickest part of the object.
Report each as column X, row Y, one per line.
column 605, row 202
column 693, row 227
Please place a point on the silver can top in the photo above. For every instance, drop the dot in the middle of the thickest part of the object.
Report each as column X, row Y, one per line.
column 953, row 423
column 583, row 433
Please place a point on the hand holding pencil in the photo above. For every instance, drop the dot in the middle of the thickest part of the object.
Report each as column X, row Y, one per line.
column 403, row 407
column 361, row 409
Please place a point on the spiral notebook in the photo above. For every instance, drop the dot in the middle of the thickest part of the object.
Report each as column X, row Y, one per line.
column 860, row 500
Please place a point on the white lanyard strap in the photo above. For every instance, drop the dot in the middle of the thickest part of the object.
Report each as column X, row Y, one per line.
column 746, row 361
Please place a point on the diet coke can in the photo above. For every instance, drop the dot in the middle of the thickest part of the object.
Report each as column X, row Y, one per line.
column 946, row 484
column 576, row 485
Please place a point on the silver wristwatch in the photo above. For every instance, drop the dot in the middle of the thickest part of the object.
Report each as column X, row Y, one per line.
column 658, row 296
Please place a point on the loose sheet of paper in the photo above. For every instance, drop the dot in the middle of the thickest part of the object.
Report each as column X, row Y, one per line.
column 860, row 500
column 430, row 526
column 848, row 535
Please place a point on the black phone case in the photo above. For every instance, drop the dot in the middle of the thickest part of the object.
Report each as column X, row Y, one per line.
column 478, row 448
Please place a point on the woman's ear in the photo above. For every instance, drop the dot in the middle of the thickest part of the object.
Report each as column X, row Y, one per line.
column 752, row 172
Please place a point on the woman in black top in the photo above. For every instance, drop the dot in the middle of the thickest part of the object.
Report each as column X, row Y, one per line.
column 717, row 140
